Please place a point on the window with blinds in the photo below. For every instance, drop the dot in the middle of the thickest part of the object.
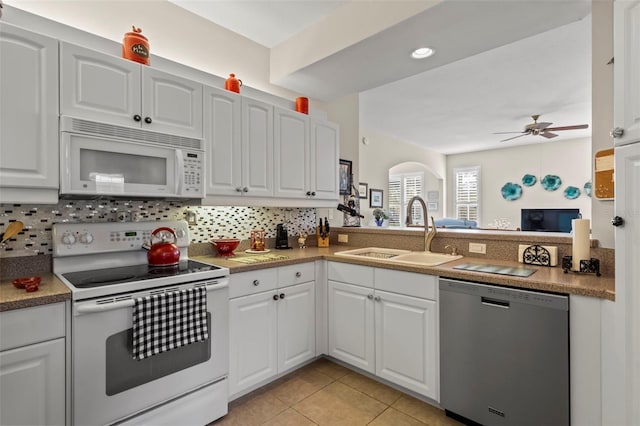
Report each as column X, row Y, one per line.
column 467, row 193
column 401, row 189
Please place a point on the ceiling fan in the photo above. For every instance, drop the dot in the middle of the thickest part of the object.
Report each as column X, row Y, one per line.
column 541, row 129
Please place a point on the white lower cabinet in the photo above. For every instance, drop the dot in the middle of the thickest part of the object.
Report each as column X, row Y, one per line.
column 272, row 324
column 32, row 366
column 392, row 334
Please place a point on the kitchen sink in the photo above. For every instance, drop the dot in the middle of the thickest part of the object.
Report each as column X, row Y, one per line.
column 407, row 257
column 425, row 258
column 373, row 252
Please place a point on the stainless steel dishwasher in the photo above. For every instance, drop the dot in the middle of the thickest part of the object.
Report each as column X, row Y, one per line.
column 504, row 355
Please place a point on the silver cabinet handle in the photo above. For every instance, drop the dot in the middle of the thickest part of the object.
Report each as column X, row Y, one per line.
column 377, row 298
column 369, row 296
column 616, row 132
column 298, row 274
column 245, row 189
column 256, row 282
column 238, row 189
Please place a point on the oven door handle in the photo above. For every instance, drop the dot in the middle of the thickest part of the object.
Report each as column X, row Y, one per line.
column 109, row 306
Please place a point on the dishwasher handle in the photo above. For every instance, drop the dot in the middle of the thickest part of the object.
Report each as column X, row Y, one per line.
column 495, row 303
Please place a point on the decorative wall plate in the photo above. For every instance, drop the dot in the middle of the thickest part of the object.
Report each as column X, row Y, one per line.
column 551, row 182
column 511, row 191
column 587, row 188
column 529, row 180
column 571, row 192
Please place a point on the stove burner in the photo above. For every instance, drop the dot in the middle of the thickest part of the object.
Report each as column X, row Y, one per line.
column 109, row 276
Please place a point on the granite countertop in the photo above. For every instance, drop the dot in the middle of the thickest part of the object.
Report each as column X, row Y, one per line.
column 51, row 290
column 551, row 279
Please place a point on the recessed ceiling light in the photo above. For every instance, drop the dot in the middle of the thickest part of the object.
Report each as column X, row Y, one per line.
column 422, row 52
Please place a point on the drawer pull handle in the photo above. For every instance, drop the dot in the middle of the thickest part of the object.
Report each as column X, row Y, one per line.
column 369, row 296
column 256, row 282
column 275, row 297
column 281, row 295
column 377, row 298
column 298, row 274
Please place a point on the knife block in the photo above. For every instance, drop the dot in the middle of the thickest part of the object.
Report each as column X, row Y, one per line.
column 322, row 242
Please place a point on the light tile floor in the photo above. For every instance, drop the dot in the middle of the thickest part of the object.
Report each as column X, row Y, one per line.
column 325, row 393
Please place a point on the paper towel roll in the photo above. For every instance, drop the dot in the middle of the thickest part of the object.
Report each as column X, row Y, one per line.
column 581, row 242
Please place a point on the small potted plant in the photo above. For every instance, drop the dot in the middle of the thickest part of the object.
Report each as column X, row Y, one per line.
column 380, row 215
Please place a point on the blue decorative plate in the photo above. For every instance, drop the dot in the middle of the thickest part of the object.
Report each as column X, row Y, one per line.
column 511, row 191
column 571, row 192
column 529, row 180
column 587, row 188
column 551, row 182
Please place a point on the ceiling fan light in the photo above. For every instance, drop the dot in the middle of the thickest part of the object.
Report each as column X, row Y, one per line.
column 422, row 52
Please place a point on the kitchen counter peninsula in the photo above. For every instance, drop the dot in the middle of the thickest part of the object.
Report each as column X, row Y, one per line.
column 550, row 279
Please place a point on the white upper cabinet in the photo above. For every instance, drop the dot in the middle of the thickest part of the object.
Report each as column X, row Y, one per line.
column 223, row 136
column 627, row 71
column 28, row 116
column 113, row 90
column 323, row 164
column 306, row 157
column 291, row 154
column 257, row 148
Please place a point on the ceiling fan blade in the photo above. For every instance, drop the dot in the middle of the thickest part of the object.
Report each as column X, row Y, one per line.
column 579, row 126
column 508, row 139
column 539, row 126
column 548, row 134
column 504, row 133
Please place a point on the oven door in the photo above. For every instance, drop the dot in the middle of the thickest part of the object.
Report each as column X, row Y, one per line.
column 109, row 385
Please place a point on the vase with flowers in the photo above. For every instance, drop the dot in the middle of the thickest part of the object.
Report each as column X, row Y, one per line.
column 379, row 215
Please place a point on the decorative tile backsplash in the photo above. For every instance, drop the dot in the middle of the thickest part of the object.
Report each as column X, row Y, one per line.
column 211, row 222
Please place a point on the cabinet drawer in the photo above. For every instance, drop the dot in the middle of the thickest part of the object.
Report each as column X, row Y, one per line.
column 409, row 283
column 252, row 282
column 351, row 274
column 296, row 274
column 26, row 326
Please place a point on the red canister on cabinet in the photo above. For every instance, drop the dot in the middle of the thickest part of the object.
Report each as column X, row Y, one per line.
column 135, row 46
column 302, row 105
column 233, row 84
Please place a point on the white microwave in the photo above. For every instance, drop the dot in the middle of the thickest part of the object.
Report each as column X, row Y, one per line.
column 98, row 159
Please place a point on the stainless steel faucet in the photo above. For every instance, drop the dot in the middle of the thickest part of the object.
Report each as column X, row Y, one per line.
column 428, row 235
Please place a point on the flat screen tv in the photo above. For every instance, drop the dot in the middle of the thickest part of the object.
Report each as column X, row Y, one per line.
column 548, row 220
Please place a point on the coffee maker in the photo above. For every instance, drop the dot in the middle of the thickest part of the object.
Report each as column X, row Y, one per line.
column 282, row 237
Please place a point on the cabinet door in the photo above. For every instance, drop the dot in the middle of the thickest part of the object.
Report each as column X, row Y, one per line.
column 406, row 342
column 171, row 104
column 291, row 154
column 257, row 148
column 99, row 87
column 28, row 111
column 296, row 325
column 252, row 340
column 323, row 164
column 32, row 384
column 351, row 332
column 223, row 136
column 626, row 90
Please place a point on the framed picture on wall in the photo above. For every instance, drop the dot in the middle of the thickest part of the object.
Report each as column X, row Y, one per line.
column 375, row 198
column 363, row 190
column 345, row 177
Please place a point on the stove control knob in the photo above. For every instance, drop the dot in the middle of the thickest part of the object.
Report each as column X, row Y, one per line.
column 68, row 238
column 86, row 238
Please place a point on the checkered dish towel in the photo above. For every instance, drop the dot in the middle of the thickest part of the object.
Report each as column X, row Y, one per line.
column 168, row 321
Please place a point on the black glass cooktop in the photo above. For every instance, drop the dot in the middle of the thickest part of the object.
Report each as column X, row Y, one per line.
column 124, row 274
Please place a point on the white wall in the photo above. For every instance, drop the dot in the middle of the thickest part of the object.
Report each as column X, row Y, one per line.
column 571, row 160
column 383, row 152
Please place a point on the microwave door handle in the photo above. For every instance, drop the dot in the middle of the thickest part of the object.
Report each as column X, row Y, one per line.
column 179, row 170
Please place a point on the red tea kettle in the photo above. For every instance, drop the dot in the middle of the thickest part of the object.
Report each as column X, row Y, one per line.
column 163, row 253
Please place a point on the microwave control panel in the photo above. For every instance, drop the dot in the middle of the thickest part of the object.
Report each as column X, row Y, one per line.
column 193, row 166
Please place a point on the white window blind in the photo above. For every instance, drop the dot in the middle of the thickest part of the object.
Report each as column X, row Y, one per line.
column 402, row 188
column 467, row 197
